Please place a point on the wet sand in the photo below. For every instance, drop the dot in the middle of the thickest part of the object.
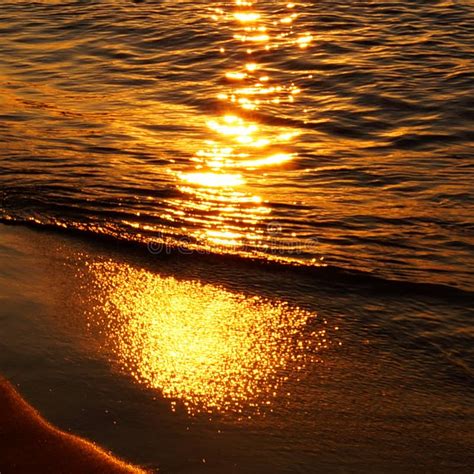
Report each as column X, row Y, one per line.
column 80, row 341
column 28, row 443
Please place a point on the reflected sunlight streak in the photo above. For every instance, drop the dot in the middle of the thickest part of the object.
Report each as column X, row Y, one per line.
column 209, row 179
column 216, row 208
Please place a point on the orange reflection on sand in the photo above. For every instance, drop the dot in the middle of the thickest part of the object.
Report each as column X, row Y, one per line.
column 208, row 347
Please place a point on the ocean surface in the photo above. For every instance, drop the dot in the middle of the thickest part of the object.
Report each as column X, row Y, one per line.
column 259, row 229
column 301, row 131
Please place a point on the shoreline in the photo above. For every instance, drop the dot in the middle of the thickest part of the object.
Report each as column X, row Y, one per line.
column 336, row 276
column 28, row 443
column 69, row 354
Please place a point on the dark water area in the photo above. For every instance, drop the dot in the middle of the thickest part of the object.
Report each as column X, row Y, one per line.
column 255, row 230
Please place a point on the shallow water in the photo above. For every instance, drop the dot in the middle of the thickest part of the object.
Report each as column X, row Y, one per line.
column 293, row 131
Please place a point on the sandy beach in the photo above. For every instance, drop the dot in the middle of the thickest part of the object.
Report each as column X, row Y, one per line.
column 30, row 444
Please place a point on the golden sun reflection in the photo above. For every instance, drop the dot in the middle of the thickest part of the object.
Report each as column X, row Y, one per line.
column 257, row 31
column 212, row 180
column 221, row 218
column 251, row 141
column 215, row 208
column 247, row 17
column 203, row 345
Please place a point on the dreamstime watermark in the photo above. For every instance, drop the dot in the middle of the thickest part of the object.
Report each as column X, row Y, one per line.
column 273, row 239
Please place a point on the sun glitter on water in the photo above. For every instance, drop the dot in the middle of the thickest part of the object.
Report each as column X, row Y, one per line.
column 200, row 345
column 218, row 206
